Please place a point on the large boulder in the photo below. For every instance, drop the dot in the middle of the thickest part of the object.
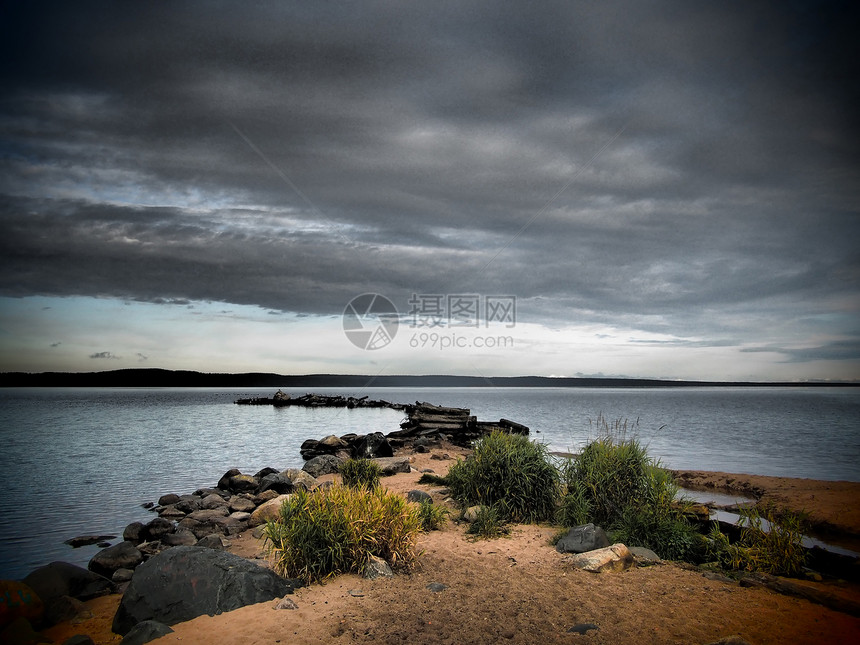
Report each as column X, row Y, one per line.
column 373, row 445
column 322, row 465
column 18, row 600
column 189, row 581
column 580, row 539
column 277, row 482
column 124, row 555
column 301, row 479
column 613, row 558
column 63, row 579
column 393, row 465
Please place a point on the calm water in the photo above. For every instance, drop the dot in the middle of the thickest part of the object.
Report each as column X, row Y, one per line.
column 82, row 461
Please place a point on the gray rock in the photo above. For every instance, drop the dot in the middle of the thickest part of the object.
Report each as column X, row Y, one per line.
column 145, row 631
column 301, row 478
column 373, row 445
column 167, row 500
column 393, row 465
column 212, row 541
column 419, row 496
column 134, row 532
column 171, row 513
column 286, row 603
column 122, row 575
column 158, row 528
column 644, row 556
column 582, row 628
column 63, row 579
column 224, row 482
column 276, row 482
column 124, row 555
column 182, row 537
column 377, row 568
column 580, row 539
column 322, row 465
column 188, row 504
column 241, row 504
column 211, row 502
column 188, row 581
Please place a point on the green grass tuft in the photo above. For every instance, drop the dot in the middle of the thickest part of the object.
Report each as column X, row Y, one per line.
column 336, row 530
column 360, row 472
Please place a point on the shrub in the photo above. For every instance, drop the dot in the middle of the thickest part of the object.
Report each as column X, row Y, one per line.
column 431, row 516
column 766, row 544
column 360, row 472
column 509, row 471
column 433, row 480
column 489, row 523
column 615, row 484
column 336, row 529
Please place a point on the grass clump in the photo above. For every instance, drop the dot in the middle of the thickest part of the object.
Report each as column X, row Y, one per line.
column 615, row 484
column 489, row 522
column 509, row 471
column 767, row 544
column 431, row 516
column 356, row 473
column 432, row 479
column 335, row 530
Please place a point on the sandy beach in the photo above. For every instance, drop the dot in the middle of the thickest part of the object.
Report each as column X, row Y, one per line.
column 516, row 589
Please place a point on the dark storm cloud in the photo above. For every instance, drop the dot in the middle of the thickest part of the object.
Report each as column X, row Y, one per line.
column 650, row 163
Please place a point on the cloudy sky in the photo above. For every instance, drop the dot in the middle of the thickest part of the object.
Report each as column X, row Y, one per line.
column 644, row 189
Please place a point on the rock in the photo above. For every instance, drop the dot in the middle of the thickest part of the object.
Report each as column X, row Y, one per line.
column 134, row 533
column 188, row 581
column 301, row 478
column 613, row 558
column 644, row 556
column 145, row 631
column 171, row 513
column 580, row 539
column 124, row 555
column 239, row 516
column 182, row 537
column 265, row 471
column 18, row 600
column 212, row 541
column 79, row 639
column 377, row 568
column 582, row 628
column 286, row 603
column 393, row 465
column 224, row 482
column 149, row 549
column 271, row 510
column 419, row 496
column 471, row 514
column 277, row 482
column 169, row 499
column 373, row 445
column 730, row 640
column 322, row 465
column 21, row 632
column 63, row 579
column 211, row 502
column 62, row 609
column 157, row 528
column 208, row 514
column 332, row 444
column 241, row 504
column 265, row 496
column 188, row 504
column 122, row 575
column 86, row 540
column 243, row 483
column 437, row 587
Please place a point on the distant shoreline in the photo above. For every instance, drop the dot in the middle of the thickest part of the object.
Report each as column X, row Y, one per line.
column 184, row 378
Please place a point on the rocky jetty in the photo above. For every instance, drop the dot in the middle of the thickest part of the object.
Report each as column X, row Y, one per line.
column 282, row 399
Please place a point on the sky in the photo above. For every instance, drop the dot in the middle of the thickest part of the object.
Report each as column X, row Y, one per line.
column 638, row 189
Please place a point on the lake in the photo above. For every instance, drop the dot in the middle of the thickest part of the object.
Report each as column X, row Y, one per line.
column 82, row 461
